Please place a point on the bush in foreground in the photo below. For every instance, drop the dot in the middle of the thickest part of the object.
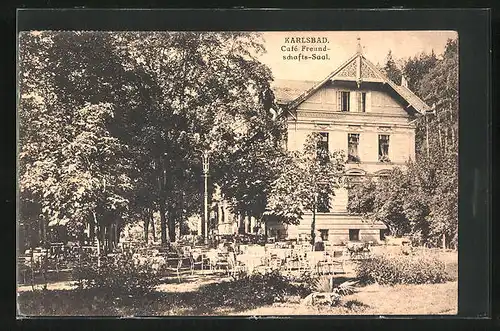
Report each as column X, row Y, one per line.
column 392, row 270
column 123, row 275
column 252, row 290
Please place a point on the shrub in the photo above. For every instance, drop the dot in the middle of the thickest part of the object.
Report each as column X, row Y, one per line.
column 323, row 284
column 123, row 275
column 452, row 271
column 251, row 290
column 326, row 284
column 391, row 270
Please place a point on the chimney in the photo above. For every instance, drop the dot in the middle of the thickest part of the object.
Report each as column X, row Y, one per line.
column 404, row 82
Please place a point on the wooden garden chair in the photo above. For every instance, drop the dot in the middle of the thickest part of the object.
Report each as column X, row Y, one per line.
column 222, row 261
column 235, row 266
column 177, row 263
column 174, row 264
column 315, row 258
column 24, row 268
column 198, row 258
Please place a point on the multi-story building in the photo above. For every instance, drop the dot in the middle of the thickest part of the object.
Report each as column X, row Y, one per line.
column 359, row 110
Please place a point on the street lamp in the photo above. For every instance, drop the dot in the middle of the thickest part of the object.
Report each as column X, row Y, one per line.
column 206, row 165
column 313, row 223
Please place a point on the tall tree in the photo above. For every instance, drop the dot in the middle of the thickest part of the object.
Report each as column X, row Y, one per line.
column 160, row 99
column 211, row 93
column 391, row 69
column 422, row 200
column 416, row 67
column 305, row 176
column 71, row 164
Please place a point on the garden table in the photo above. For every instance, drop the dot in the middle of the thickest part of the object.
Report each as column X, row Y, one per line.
column 250, row 261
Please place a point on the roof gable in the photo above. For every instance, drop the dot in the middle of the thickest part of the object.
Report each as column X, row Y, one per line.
column 357, row 69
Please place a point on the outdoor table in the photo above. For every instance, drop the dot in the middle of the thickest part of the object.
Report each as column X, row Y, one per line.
column 256, row 250
column 250, row 261
column 283, row 253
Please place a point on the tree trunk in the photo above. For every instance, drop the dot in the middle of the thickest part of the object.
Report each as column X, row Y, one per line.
column 152, row 223
column 103, row 237
column 146, row 226
column 241, row 227
column 115, row 234
column 98, row 243
column 92, row 228
column 172, row 218
column 444, row 240
column 439, row 135
column 427, row 135
column 249, row 224
column 313, row 227
column 163, row 223
column 40, row 230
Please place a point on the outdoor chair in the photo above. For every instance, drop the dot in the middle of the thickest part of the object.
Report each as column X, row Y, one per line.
column 331, row 264
column 235, row 266
column 274, row 262
column 315, row 260
column 174, row 264
column 177, row 263
column 283, row 253
column 212, row 258
column 222, row 261
column 296, row 260
column 198, row 258
column 24, row 268
column 243, row 249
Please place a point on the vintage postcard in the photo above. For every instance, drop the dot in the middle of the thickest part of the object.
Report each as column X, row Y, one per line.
column 237, row 173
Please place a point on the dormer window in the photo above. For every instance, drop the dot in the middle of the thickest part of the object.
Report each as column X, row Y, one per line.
column 343, row 101
column 361, row 102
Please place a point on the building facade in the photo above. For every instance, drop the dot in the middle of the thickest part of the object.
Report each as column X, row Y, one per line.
column 357, row 109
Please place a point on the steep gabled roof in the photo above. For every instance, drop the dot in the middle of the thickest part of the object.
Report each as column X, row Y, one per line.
column 357, row 69
column 286, row 90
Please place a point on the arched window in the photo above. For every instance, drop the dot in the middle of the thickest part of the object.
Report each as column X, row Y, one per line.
column 383, row 173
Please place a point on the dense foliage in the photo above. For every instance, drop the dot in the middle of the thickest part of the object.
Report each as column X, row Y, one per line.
column 253, row 290
column 401, row 269
column 122, row 275
column 113, row 125
column 305, row 175
column 421, row 200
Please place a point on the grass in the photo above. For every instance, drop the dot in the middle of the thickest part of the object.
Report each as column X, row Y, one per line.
column 369, row 300
column 429, row 299
column 213, row 295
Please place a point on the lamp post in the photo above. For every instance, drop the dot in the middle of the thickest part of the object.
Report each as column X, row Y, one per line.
column 205, row 175
column 313, row 223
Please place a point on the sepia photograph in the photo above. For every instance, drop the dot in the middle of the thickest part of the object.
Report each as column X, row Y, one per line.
column 222, row 173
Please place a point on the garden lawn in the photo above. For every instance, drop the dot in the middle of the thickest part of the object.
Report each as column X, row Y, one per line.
column 428, row 299
column 369, row 300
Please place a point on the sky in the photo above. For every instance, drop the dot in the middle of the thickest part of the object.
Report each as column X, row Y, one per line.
column 343, row 44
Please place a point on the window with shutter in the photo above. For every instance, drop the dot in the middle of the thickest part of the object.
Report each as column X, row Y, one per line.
column 353, row 234
column 358, row 101
column 383, row 148
column 322, row 147
column 363, row 102
column 352, row 147
column 344, row 101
